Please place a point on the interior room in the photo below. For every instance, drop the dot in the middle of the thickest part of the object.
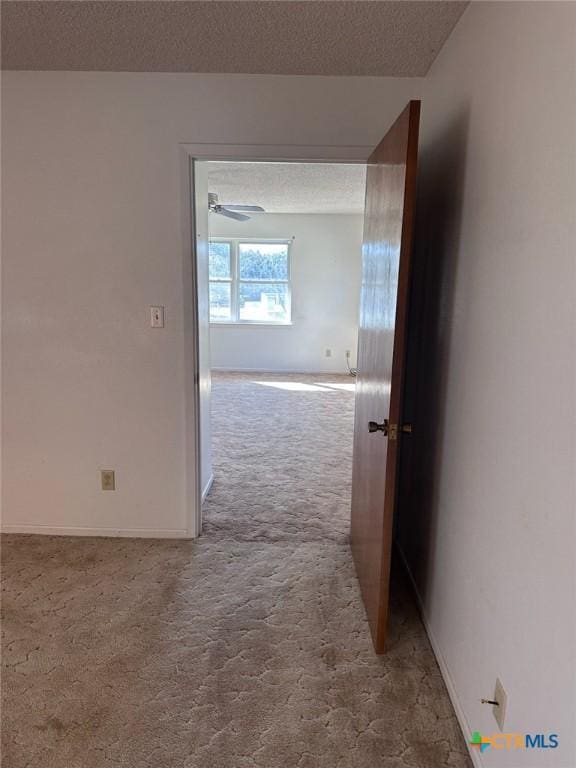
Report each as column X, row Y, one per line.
column 285, row 248
column 219, row 548
column 317, row 211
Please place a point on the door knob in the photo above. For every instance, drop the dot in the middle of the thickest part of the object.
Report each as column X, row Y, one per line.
column 390, row 430
column 373, row 426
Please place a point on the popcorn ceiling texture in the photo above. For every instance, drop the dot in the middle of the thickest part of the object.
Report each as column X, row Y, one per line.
column 295, row 37
column 248, row 648
column 291, row 187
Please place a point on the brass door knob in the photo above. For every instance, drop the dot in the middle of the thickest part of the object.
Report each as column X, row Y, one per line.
column 390, row 430
column 373, row 426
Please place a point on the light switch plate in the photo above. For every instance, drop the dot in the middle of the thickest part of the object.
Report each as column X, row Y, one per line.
column 502, row 699
column 157, row 317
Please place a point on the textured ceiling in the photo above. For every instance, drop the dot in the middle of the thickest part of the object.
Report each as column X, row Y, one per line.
column 321, row 37
column 290, row 187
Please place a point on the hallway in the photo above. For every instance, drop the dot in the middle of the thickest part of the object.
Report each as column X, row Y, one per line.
column 246, row 649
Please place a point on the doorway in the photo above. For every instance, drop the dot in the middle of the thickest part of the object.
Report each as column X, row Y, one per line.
column 283, row 284
column 196, row 329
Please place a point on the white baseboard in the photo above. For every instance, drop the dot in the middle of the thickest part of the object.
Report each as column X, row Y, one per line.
column 307, row 371
column 132, row 533
column 446, row 676
column 206, row 490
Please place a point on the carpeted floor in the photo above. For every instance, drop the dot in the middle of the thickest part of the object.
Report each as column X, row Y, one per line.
column 246, row 649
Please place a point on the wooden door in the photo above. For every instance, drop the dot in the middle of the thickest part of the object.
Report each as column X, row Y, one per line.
column 386, row 255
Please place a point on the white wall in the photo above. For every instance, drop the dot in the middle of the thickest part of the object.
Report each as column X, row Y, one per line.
column 491, row 539
column 92, row 236
column 326, row 259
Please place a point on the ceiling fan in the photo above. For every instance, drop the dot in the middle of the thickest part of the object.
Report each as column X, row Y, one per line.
column 231, row 211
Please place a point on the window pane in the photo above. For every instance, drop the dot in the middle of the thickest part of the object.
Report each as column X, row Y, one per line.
column 264, row 302
column 263, row 261
column 219, row 260
column 220, row 304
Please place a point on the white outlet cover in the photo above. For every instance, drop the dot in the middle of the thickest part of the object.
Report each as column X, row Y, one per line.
column 501, row 697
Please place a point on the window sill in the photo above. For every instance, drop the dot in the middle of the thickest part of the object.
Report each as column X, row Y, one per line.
column 218, row 324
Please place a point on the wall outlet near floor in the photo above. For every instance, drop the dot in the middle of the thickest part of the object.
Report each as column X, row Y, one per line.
column 108, row 479
column 347, row 354
column 157, row 317
column 499, row 710
column 328, row 352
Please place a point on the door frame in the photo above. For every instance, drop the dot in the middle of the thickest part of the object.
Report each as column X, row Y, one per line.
column 188, row 153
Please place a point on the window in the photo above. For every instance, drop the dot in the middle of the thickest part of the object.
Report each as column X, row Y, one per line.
column 249, row 281
column 220, row 270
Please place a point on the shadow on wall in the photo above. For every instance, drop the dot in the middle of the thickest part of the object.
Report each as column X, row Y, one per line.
column 442, row 166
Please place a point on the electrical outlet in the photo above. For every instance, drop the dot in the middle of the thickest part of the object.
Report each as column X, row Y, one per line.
column 108, row 479
column 157, row 317
column 501, row 697
column 328, row 352
column 347, row 354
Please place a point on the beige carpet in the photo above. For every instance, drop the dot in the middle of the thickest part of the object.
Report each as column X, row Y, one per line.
column 246, row 649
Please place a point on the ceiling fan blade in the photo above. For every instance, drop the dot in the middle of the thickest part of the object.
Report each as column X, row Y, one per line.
column 233, row 215
column 257, row 208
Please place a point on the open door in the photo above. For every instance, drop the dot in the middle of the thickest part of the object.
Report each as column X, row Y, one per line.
column 378, row 428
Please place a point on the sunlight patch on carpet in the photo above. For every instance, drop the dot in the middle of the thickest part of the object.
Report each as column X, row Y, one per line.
column 292, row 386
